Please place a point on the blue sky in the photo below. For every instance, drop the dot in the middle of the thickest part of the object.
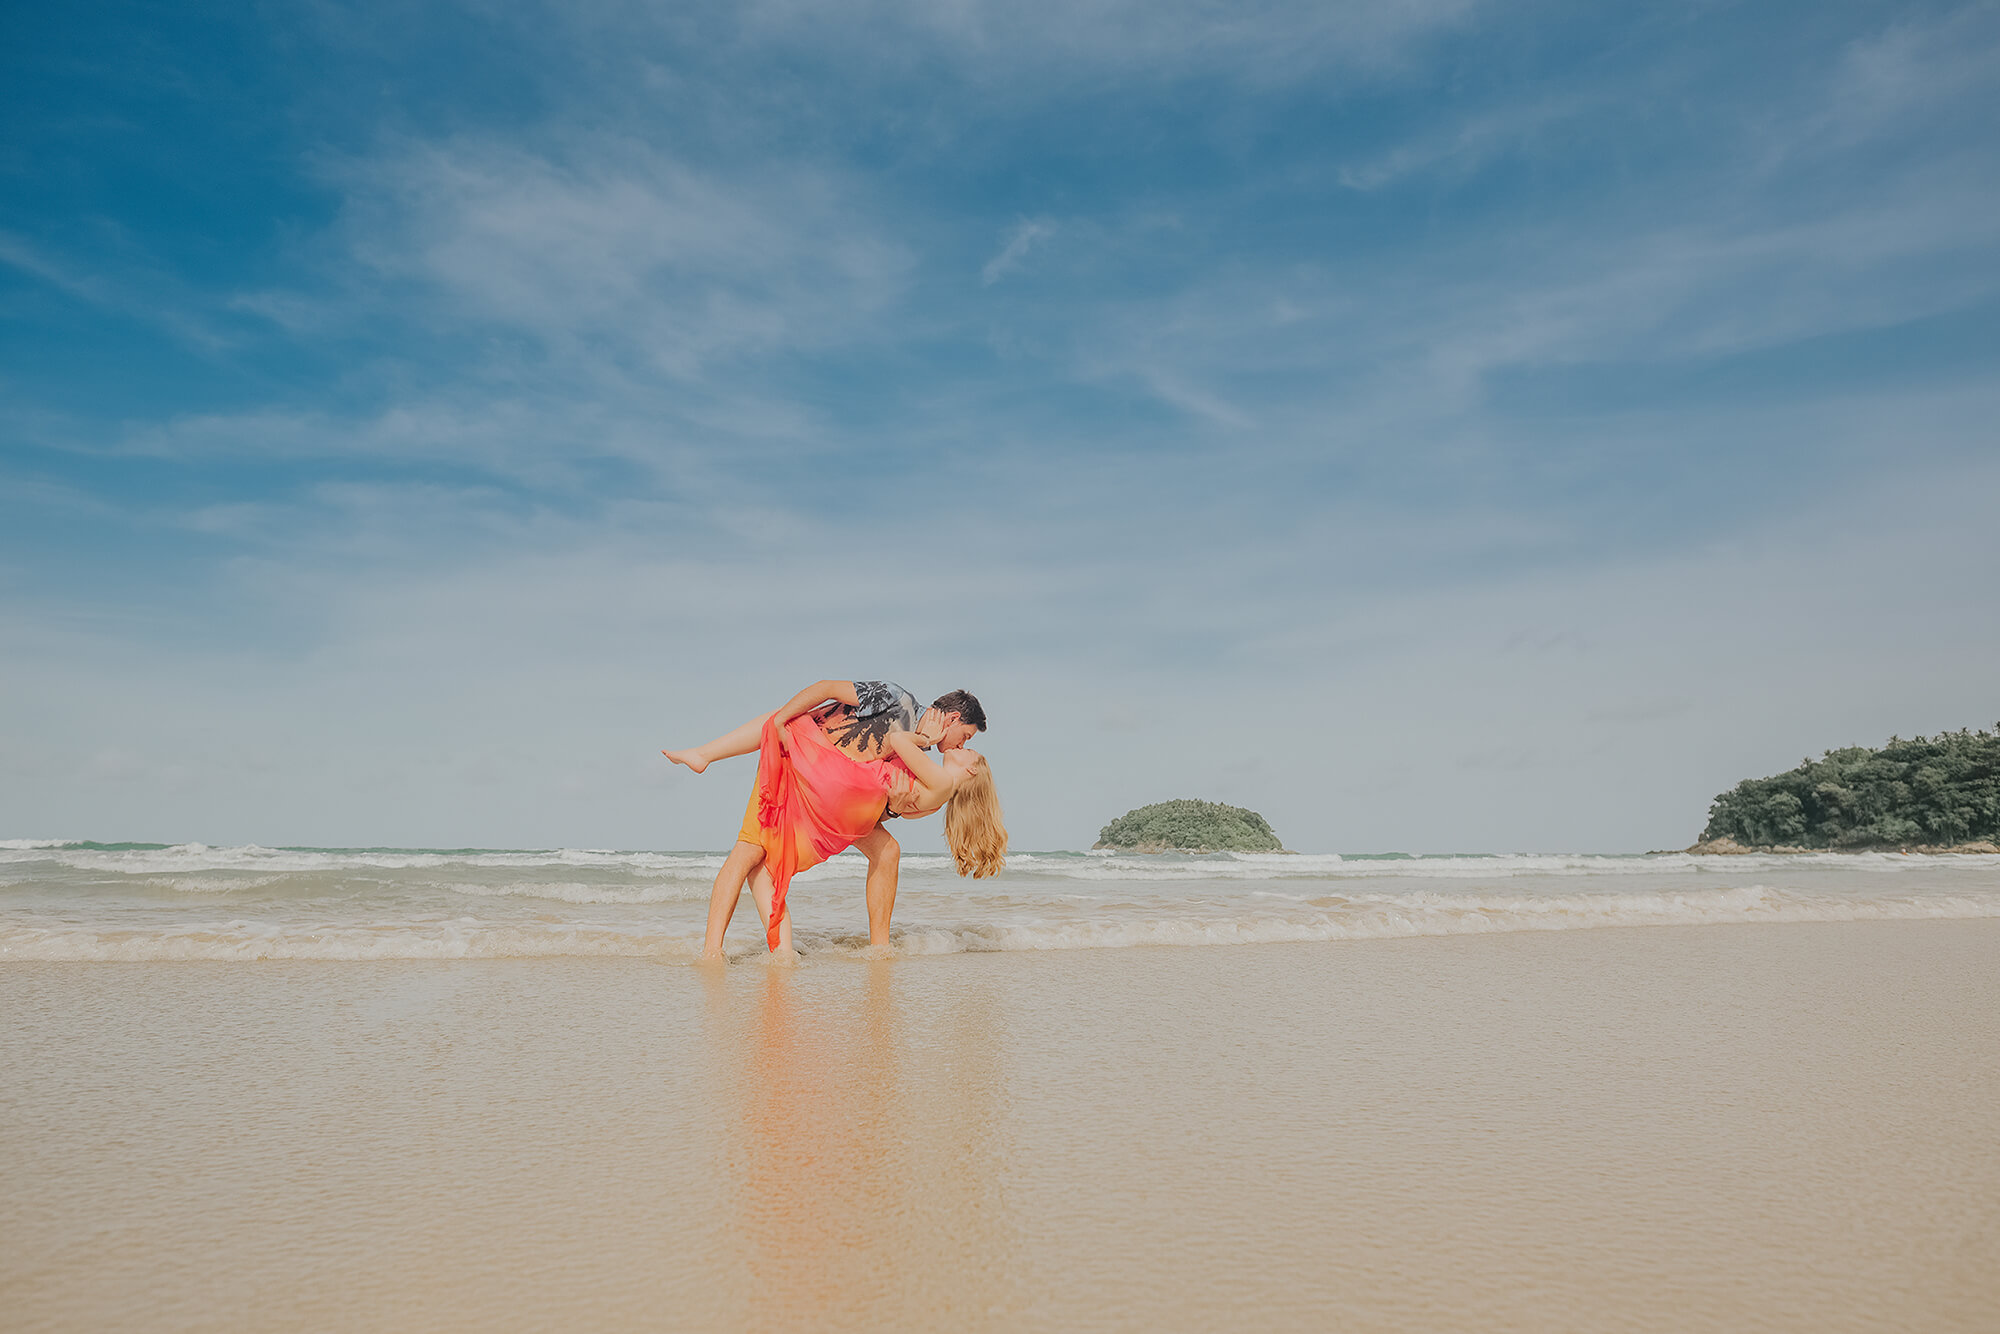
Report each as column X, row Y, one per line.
column 1439, row 425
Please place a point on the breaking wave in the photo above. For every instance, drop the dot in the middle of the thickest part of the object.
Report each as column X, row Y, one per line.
column 143, row 859
column 1094, row 926
column 80, row 900
column 243, row 941
column 181, row 858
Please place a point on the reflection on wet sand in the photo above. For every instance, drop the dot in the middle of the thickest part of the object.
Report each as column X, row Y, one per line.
column 867, row 1149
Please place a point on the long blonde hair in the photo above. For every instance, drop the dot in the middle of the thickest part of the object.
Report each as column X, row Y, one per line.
column 972, row 826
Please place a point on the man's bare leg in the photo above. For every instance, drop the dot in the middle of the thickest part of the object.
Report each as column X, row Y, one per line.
column 743, row 740
column 736, row 867
column 762, row 891
column 885, row 859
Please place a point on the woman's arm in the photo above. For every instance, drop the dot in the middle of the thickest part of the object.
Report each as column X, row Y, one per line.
column 816, row 694
column 930, row 775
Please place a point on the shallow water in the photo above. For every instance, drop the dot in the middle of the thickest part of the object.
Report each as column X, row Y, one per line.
column 137, row 902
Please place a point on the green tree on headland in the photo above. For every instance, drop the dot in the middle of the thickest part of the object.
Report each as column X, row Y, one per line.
column 1927, row 790
column 1190, row 826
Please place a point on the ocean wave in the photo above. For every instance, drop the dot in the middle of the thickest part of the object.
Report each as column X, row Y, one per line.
column 1333, row 866
column 1333, row 918
column 197, row 857
column 193, row 859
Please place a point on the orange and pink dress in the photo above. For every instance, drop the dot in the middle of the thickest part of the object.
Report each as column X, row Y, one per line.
column 811, row 804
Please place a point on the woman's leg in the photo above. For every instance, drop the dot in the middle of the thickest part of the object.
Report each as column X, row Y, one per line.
column 742, row 859
column 742, row 741
column 762, row 890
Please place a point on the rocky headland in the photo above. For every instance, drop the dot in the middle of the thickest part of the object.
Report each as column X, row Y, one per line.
column 1924, row 794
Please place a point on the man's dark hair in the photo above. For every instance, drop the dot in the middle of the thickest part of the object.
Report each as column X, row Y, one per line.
column 965, row 705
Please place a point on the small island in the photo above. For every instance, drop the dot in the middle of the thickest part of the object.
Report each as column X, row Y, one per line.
column 1926, row 794
column 1189, row 826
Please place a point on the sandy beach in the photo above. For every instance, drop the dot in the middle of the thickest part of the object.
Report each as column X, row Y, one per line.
column 1749, row 1127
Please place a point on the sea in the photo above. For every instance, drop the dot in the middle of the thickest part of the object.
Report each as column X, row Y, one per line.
column 81, row 901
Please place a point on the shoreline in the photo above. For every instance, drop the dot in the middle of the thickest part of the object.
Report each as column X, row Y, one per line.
column 256, row 904
column 1729, row 847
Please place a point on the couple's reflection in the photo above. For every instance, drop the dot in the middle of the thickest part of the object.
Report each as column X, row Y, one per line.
column 869, row 1169
column 822, row 1185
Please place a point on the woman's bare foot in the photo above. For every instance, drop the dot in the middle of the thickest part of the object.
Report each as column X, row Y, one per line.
column 693, row 759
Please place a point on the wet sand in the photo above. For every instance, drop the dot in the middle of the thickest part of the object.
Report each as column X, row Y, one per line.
column 1789, row 1127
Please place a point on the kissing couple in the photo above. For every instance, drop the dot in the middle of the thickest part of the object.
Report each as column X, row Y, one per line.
column 833, row 765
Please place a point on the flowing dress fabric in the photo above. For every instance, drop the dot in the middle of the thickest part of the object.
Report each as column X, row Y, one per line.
column 809, row 805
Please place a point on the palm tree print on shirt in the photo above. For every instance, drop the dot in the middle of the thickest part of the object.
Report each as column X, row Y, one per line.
column 884, row 707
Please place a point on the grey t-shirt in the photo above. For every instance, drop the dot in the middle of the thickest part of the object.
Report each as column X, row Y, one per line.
column 884, row 707
column 887, row 699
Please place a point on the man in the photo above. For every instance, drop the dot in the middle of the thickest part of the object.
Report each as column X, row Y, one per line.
column 857, row 718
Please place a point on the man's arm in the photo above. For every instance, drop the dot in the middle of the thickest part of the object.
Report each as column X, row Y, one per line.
column 816, row 694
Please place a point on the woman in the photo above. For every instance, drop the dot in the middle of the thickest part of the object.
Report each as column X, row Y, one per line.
column 811, row 801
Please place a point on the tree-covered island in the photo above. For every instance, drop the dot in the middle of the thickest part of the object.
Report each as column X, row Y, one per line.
column 1924, row 794
column 1189, row 826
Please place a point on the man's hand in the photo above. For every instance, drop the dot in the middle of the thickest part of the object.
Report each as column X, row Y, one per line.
column 930, row 728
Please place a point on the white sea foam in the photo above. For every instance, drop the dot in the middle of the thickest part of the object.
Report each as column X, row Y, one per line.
column 243, row 942
column 1331, row 866
column 208, row 884
column 193, row 858
column 1385, row 917
column 66, row 900
column 1170, row 868
column 1100, row 926
column 572, row 892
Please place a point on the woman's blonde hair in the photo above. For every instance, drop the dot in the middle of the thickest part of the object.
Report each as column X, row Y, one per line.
column 972, row 825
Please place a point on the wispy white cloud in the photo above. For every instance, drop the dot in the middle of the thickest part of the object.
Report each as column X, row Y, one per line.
column 1194, row 401
column 1920, row 65
column 1468, row 145
column 1403, row 351
column 1732, row 285
column 1025, row 236
column 147, row 296
column 1254, row 41
column 17, row 253
column 613, row 242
